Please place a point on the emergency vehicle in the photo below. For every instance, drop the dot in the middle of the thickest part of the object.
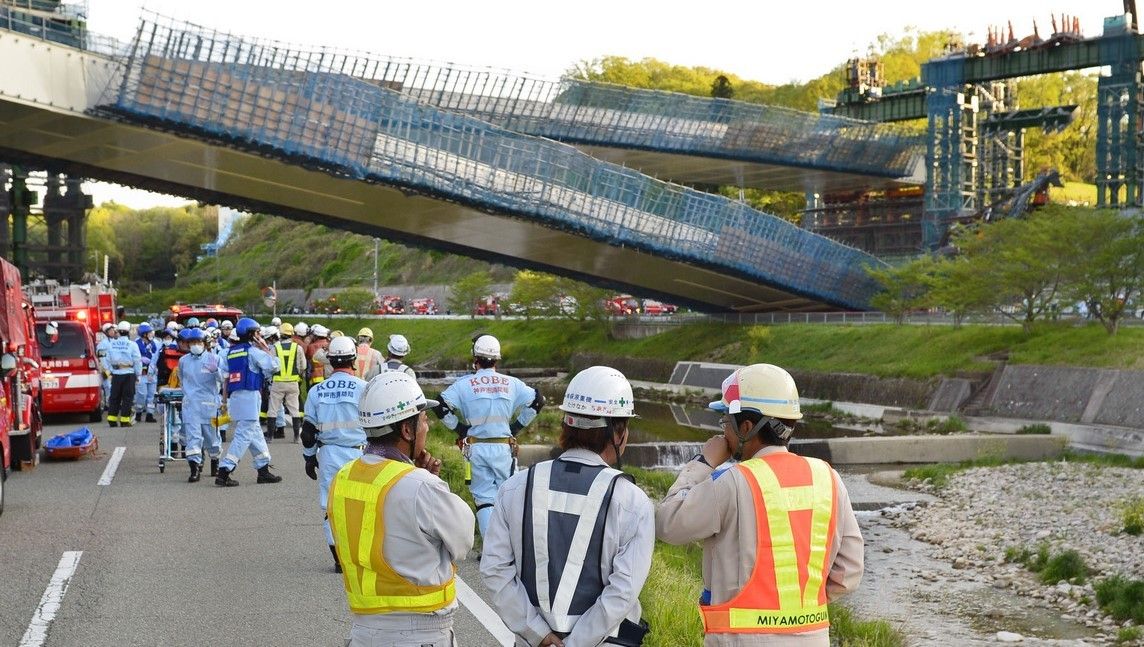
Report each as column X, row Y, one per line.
column 92, row 304
column 70, row 371
column 181, row 312
column 21, row 426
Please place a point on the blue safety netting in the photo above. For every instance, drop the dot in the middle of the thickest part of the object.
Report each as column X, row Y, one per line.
column 293, row 103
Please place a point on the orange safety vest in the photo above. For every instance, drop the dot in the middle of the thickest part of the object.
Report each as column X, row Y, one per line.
column 356, row 508
column 363, row 364
column 317, row 369
column 794, row 517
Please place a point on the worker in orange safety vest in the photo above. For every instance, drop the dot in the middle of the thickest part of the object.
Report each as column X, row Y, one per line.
column 780, row 539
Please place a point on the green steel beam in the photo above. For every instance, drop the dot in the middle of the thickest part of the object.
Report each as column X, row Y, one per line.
column 892, row 107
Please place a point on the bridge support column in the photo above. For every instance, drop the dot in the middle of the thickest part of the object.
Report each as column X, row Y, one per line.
column 1118, row 142
column 21, row 199
column 951, row 160
column 64, row 217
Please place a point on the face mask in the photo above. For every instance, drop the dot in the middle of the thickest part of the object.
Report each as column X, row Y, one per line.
column 197, row 349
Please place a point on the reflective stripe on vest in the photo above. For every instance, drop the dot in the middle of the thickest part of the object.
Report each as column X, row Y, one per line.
column 356, row 508
column 566, row 502
column 287, row 369
column 794, row 510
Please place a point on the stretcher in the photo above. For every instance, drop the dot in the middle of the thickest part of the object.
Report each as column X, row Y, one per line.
column 170, row 431
column 71, row 446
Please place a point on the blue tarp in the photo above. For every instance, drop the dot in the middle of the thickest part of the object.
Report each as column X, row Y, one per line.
column 79, row 438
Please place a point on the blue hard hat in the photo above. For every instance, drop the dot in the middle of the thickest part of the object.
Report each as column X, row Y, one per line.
column 194, row 334
column 245, row 326
column 185, row 334
column 212, row 323
column 193, row 321
column 143, row 328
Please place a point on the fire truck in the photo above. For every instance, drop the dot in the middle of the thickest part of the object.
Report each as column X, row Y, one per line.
column 21, row 426
column 92, row 304
column 182, row 312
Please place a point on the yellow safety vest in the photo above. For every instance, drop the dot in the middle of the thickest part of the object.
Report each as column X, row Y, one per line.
column 288, row 367
column 794, row 518
column 356, row 509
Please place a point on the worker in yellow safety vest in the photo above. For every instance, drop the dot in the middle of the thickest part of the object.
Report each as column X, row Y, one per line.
column 780, row 539
column 285, row 386
column 397, row 528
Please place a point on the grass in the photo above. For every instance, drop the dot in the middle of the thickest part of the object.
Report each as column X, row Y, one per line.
column 1133, row 517
column 872, row 350
column 939, row 473
column 1038, row 428
column 1129, row 634
column 1121, row 598
column 1066, row 565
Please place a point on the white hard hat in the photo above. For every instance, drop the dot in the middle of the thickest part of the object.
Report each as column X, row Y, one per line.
column 233, row 336
column 107, row 326
column 389, row 398
column 597, row 391
column 318, row 330
column 762, row 388
column 398, row 345
column 301, row 329
column 270, row 331
column 276, row 321
column 51, row 328
column 226, row 323
column 124, row 326
column 341, row 347
column 486, row 346
column 172, row 325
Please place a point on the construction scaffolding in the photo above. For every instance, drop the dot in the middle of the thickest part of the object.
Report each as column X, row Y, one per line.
column 310, row 109
column 1119, row 123
column 43, row 237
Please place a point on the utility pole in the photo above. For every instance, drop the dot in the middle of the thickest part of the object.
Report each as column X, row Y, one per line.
column 375, row 247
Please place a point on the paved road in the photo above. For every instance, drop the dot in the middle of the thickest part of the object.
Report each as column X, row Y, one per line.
column 165, row 562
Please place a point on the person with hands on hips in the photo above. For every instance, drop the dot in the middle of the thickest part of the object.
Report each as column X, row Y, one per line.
column 397, row 528
column 779, row 535
column 331, row 431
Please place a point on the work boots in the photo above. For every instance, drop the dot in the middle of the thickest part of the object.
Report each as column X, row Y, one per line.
column 268, row 431
column 138, row 416
column 337, row 564
column 151, row 417
column 214, row 467
column 264, row 475
column 196, row 472
column 280, row 432
column 297, row 430
column 223, row 478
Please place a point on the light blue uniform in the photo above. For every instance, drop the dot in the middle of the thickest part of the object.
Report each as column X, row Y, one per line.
column 243, row 406
column 332, row 407
column 122, row 357
column 487, row 401
column 145, row 389
column 201, row 378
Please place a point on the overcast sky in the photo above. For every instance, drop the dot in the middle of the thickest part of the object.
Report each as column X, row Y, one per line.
column 772, row 42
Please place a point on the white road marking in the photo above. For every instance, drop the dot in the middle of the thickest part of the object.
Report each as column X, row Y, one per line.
column 37, row 631
column 484, row 614
column 112, row 465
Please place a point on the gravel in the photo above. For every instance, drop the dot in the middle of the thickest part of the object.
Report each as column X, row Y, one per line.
column 981, row 512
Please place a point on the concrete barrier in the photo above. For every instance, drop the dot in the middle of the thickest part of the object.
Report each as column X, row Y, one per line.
column 890, row 450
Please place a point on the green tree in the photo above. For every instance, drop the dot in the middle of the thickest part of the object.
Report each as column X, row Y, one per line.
column 1107, row 268
column 465, row 293
column 356, row 300
column 582, row 301
column 721, row 88
column 1021, row 263
column 534, row 293
column 904, row 287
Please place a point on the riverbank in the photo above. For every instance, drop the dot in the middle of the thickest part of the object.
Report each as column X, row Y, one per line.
column 985, row 520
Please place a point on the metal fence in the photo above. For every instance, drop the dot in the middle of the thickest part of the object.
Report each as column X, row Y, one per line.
column 290, row 102
column 604, row 114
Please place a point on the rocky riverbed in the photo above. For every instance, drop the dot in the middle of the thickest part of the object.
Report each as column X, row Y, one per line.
column 984, row 511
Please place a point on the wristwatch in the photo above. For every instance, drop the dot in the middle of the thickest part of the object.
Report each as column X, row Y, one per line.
column 702, row 459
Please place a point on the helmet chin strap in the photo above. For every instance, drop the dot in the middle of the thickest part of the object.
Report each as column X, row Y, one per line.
column 744, row 439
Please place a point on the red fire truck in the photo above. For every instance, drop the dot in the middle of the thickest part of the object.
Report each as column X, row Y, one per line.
column 92, row 304
column 182, row 312
column 21, row 425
